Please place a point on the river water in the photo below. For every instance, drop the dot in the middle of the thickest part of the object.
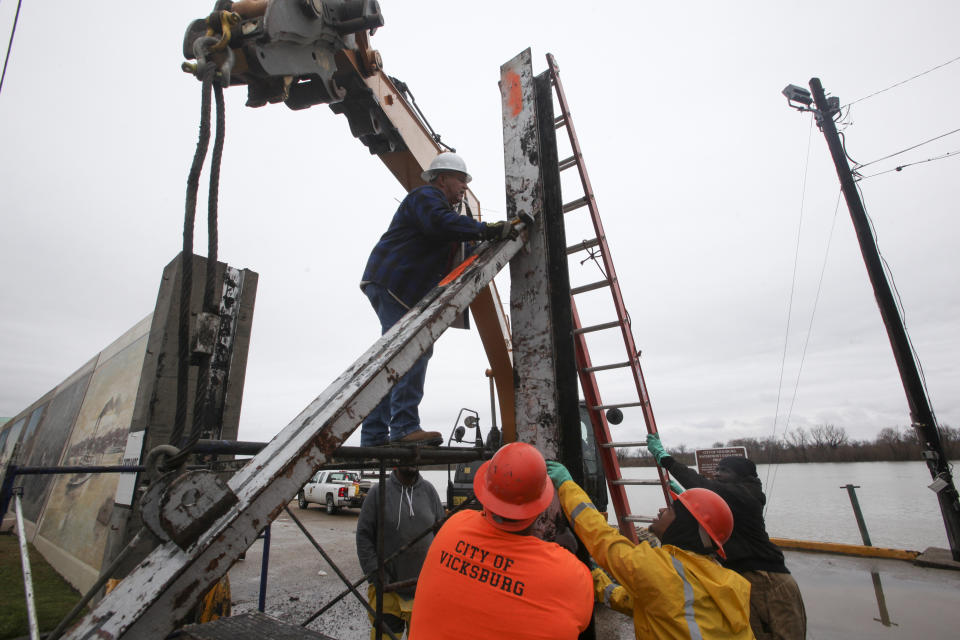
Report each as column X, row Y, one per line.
column 806, row 502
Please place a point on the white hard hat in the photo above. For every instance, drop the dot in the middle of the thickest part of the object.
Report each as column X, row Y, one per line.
column 447, row 161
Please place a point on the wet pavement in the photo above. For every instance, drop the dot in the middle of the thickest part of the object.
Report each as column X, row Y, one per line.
column 845, row 597
column 849, row 597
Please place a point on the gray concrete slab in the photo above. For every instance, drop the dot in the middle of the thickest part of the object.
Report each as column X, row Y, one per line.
column 938, row 559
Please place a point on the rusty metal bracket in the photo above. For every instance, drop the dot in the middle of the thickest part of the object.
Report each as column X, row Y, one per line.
column 191, row 503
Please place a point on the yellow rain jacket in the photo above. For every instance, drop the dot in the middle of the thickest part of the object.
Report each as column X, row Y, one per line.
column 675, row 593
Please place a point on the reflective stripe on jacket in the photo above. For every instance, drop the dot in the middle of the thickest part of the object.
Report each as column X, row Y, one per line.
column 676, row 593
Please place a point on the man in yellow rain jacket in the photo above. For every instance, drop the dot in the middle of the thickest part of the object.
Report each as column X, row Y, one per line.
column 678, row 590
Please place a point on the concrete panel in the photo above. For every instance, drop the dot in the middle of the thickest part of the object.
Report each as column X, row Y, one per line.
column 51, row 436
column 123, row 397
column 79, row 507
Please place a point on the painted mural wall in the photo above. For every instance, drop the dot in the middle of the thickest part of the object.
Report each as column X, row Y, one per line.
column 99, row 437
column 84, row 421
column 106, row 413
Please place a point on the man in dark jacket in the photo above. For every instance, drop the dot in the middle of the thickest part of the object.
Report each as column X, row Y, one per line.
column 411, row 506
column 411, row 257
column 776, row 606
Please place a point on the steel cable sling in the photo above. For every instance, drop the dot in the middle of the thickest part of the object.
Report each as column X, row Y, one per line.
column 213, row 78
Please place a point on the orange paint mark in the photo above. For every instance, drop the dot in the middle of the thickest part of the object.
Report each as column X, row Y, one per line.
column 514, row 93
column 453, row 275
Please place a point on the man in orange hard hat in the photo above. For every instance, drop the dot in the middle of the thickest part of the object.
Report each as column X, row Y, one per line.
column 486, row 577
column 678, row 590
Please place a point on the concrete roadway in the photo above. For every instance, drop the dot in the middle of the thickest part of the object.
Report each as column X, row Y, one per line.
column 840, row 593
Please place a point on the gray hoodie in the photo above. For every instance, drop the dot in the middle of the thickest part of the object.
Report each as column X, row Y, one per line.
column 409, row 511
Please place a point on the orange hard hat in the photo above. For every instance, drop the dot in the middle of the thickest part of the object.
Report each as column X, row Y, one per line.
column 711, row 511
column 514, row 485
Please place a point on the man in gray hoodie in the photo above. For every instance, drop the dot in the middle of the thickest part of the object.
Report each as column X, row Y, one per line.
column 412, row 505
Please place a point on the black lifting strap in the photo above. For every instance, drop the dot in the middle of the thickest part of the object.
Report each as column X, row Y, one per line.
column 207, row 74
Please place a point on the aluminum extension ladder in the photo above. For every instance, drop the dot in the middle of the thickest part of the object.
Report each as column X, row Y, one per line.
column 585, row 367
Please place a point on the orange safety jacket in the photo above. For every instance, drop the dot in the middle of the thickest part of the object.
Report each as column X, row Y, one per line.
column 481, row 582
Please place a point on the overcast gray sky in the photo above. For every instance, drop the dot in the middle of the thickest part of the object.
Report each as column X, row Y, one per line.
column 697, row 162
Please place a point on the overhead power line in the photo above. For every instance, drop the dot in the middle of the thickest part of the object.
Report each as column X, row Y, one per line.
column 893, row 86
column 949, row 154
column 13, row 30
column 920, row 144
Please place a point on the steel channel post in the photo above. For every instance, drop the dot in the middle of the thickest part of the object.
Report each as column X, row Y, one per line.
column 159, row 593
column 535, row 386
column 851, row 491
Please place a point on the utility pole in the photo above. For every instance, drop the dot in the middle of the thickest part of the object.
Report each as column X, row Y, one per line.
column 921, row 415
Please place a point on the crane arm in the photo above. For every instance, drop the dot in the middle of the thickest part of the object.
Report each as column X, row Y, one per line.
column 309, row 52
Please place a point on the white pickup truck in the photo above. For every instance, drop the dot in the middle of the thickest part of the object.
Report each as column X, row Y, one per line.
column 334, row 489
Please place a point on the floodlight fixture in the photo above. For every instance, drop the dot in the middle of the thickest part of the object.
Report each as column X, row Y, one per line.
column 798, row 97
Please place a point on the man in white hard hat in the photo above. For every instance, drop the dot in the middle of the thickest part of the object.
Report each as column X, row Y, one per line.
column 416, row 252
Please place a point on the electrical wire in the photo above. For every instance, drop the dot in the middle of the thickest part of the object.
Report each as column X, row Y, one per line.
column 793, row 281
column 806, row 343
column 893, row 86
column 920, row 144
column 949, row 154
column 899, row 303
column 13, row 30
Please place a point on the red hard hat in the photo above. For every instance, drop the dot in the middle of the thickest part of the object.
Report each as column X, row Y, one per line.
column 711, row 511
column 514, row 485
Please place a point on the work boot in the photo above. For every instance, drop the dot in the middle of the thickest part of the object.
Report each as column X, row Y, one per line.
column 420, row 438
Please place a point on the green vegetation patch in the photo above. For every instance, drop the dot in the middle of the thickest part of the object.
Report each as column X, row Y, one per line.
column 54, row 597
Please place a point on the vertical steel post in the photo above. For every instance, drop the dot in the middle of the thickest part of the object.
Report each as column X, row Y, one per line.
column 560, row 301
column 851, row 491
column 25, row 560
column 531, row 321
column 921, row 414
column 264, row 570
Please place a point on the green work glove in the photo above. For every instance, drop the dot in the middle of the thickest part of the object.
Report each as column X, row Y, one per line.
column 655, row 448
column 558, row 473
column 675, row 487
column 499, row 231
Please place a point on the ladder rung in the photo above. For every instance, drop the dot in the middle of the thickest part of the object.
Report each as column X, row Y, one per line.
column 583, row 246
column 646, row 483
column 559, row 121
column 605, row 367
column 597, row 327
column 633, row 518
column 618, row 405
column 576, row 204
column 614, row 445
column 590, row 287
column 566, row 163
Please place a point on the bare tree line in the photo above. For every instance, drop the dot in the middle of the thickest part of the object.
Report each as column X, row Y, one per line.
column 820, row 443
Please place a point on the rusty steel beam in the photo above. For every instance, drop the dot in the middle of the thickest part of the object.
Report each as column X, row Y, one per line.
column 161, row 591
